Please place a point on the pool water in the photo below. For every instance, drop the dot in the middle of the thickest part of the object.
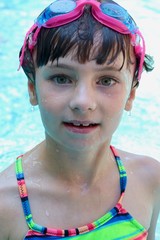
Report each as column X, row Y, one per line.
column 137, row 133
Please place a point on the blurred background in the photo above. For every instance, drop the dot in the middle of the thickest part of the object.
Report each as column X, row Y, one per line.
column 20, row 125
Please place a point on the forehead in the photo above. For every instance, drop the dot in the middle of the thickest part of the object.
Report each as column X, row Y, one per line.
column 69, row 62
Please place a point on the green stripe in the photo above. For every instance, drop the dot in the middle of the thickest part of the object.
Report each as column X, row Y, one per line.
column 19, row 166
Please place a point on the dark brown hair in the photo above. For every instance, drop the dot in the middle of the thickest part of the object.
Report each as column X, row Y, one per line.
column 87, row 39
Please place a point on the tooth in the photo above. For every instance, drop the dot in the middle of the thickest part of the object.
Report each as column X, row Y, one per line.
column 76, row 124
column 86, row 125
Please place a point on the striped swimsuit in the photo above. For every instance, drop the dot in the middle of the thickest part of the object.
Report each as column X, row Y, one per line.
column 117, row 224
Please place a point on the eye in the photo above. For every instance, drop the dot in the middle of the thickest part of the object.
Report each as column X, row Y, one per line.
column 60, row 79
column 107, row 81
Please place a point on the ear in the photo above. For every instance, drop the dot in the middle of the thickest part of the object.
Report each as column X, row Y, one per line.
column 130, row 99
column 32, row 93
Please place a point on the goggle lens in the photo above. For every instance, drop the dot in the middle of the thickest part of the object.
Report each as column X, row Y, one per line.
column 119, row 13
column 57, row 8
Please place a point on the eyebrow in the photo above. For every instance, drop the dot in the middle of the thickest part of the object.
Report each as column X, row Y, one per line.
column 67, row 67
column 108, row 68
column 60, row 65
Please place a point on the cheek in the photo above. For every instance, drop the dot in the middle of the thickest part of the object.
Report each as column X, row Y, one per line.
column 50, row 106
column 115, row 113
column 49, row 100
column 115, row 102
column 50, row 113
column 114, row 107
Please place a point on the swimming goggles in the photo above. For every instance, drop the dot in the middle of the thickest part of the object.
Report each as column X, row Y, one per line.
column 112, row 15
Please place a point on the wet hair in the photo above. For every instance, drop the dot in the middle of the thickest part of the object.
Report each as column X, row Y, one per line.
column 86, row 39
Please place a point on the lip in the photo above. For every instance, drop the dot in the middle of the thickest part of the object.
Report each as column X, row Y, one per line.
column 81, row 127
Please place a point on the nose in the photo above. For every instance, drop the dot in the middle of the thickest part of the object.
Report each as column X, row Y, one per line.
column 83, row 99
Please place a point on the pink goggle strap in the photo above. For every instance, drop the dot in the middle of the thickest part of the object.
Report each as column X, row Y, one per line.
column 31, row 40
column 138, row 43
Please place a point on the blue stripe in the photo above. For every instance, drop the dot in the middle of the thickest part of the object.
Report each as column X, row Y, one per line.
column 20, row 176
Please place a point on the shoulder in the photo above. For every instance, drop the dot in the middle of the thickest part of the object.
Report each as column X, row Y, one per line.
column 143, row 174
column 144, row 182
column 7, row 183
column 10, row 204
column 5, row 203
column 142, row 166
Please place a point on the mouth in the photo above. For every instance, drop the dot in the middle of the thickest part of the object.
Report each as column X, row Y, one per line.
column 82, row 127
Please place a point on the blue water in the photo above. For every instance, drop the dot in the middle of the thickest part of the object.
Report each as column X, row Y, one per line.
column 137, row 133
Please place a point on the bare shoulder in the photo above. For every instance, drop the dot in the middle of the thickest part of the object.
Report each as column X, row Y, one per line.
column 10, row 205
column 7, row 203
column 144, row 184
column 143, row 166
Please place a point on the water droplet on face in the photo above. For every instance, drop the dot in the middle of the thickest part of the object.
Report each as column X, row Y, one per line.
column 68, row 190
column 35, row 163
column 36, row 183
column 47, row 213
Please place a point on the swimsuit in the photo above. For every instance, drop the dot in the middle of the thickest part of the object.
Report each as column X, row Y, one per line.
column 117, row 224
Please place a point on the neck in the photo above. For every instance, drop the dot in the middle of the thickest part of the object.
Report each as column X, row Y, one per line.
column 77, row 168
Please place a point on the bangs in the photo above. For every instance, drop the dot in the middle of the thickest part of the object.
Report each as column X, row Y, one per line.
column 86, row 39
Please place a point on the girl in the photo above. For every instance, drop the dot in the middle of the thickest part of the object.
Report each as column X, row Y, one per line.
column 83, row 60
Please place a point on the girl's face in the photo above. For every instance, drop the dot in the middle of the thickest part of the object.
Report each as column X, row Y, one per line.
column 81, row 104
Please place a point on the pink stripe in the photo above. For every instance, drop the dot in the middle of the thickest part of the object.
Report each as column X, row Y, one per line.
column 72, row 232
column 55, row 232
column 114, row 151
column 142, row 237
column 90, row 227
column 22, row 188
column 21, row 182
column 32, row 233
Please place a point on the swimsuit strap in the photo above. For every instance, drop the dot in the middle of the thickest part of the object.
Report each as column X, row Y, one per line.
column 24, row 196
column 71, row 232
column 122, row 171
